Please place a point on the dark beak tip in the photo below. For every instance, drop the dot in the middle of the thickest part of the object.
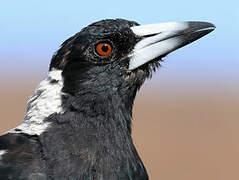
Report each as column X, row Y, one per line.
column 199, row 25
column 208, row 24
column 211, row 26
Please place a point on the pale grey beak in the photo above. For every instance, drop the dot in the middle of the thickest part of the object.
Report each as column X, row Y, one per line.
column 158, row 40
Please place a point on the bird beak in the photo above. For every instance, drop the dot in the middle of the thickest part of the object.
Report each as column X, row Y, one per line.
column 158, row 40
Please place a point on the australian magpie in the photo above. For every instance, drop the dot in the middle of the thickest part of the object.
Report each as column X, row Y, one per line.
column 78, row 122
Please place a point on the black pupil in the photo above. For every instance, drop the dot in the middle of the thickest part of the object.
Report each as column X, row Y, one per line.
column 105, row 48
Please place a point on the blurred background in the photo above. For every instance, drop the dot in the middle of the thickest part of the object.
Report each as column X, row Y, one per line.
column 186, row 118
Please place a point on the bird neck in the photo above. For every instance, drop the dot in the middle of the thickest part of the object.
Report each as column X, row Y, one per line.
column 99, row 128
column 112, row 110
column 99, row 94
column 91, row 124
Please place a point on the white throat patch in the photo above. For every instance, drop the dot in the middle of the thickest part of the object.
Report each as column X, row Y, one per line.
column 45, row 101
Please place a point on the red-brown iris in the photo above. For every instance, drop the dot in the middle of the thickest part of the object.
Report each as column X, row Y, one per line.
column 104, row 49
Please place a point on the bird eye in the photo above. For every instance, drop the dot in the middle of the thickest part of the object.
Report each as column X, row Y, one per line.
column 104, row 49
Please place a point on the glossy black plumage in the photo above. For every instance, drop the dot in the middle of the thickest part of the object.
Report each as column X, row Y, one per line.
column 88, row 137
column 91, row 140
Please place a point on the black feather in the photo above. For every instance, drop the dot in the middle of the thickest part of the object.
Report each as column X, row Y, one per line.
column 91, row 138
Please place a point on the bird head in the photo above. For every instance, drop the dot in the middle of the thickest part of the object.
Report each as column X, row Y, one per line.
column 117, row 54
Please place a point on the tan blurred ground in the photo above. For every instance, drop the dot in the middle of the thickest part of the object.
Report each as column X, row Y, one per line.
column 181, row 133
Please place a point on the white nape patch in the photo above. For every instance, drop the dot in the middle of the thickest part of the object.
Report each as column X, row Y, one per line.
column 144, row 55
column 2, row 152
column 150, row 29
column 45, row 101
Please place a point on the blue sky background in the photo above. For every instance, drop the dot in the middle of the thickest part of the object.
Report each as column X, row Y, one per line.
column 31, row 31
